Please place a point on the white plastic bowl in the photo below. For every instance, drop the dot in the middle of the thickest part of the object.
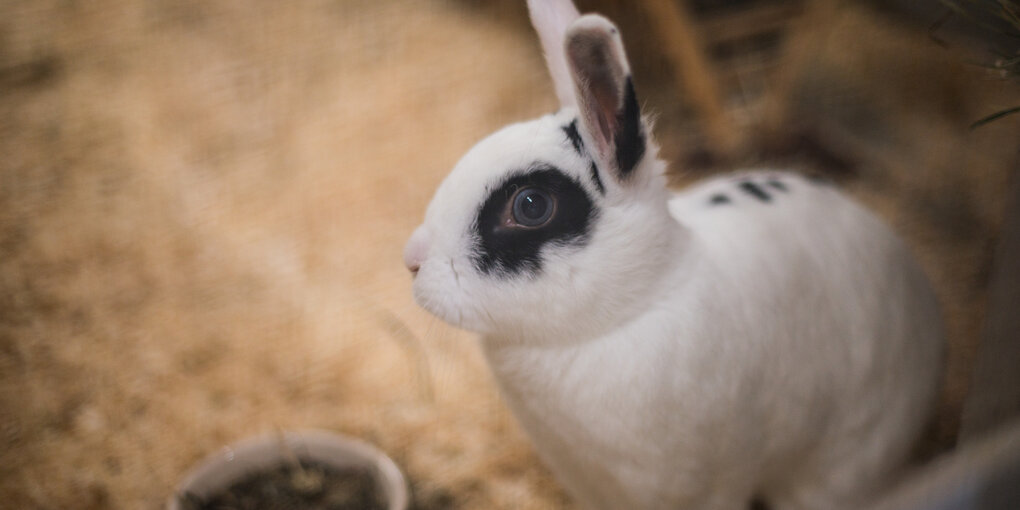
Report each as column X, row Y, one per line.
column 234, row 462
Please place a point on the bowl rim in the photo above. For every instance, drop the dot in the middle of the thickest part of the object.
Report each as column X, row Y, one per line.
column 232, row 462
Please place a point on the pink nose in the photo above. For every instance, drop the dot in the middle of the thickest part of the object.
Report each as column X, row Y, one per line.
column 417, row 250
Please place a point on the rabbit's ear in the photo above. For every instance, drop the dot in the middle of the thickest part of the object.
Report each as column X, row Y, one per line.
column 551, row 19
column 606, row 102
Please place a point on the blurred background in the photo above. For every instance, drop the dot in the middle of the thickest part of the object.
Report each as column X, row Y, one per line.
column 203, row 207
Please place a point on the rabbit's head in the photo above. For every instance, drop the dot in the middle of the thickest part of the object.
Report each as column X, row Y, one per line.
column 557, row 227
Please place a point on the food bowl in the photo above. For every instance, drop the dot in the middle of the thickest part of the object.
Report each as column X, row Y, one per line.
column 235, row 462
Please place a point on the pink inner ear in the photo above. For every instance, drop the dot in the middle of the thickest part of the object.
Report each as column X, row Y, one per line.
column 605, row 109
column 598, row 78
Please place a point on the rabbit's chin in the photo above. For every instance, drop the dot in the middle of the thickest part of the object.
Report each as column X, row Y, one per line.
column 461, row 317
column 450, row 304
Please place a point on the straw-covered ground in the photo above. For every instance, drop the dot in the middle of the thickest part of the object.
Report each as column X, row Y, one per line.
column 203, row 206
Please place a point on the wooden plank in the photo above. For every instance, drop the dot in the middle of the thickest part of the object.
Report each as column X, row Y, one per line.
column 745, row 23
column 994, row 394
column 693, row 73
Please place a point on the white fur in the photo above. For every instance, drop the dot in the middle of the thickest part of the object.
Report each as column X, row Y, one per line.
column 551, row 19
column 689, row 355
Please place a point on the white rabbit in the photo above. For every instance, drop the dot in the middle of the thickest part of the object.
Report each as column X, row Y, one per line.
column 757, row 337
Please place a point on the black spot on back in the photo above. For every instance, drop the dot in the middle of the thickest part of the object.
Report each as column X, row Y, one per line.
column 820, row 180
column 719, row 199
column 629, row 138
column 507, row 251
column 755, row 191
column 777, row 184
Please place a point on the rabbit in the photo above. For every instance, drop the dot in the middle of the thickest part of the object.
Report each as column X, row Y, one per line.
column 756, row 339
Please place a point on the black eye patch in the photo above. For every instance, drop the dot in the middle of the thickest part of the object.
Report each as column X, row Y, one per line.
column 509, row 251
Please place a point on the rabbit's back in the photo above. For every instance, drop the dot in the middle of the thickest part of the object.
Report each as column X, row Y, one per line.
column 779, row 224
column 758, row 193
column 829, row 317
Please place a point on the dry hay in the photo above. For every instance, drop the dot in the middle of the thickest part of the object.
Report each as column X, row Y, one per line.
column 203, row 212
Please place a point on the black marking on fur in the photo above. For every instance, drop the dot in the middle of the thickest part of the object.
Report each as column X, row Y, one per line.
column 508, row 251
column 755, row 191
column 594, row 169
column 575, row 137
column 629, row 137
column 779, row 185
column 575, row 140
column 819, row 180
column 719, row 199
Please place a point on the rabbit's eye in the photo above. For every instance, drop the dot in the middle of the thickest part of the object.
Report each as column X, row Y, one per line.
column 528, row 212
column 533, row 207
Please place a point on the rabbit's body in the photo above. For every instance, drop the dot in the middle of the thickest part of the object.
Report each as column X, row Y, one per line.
column 756, row 336
column 760, row 390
